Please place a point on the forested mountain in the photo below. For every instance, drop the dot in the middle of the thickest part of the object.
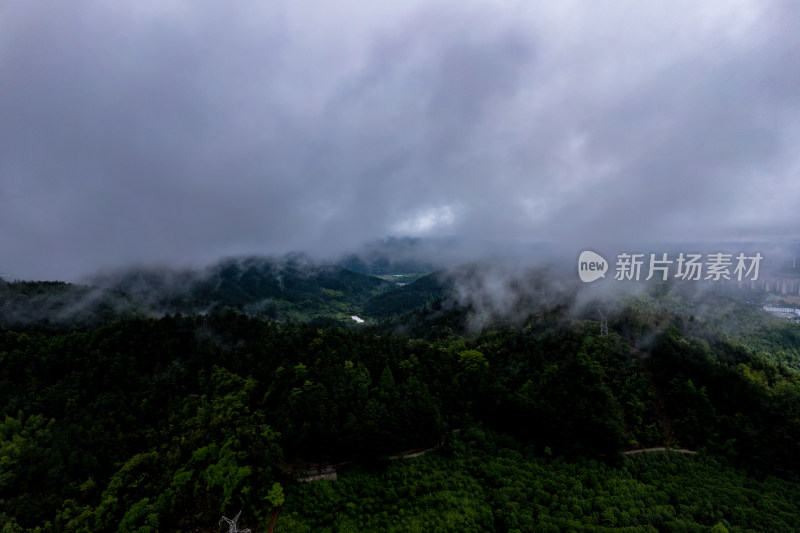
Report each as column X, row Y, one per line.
column 403, row 300
column 393, row 255
column 288, row 289
column 167, row 423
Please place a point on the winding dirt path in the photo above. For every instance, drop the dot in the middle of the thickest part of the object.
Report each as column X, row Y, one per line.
column 661, row 449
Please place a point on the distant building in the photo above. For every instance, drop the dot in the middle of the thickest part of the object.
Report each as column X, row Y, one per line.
column 783, row 312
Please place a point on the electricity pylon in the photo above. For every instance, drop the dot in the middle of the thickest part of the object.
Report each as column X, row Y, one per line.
column 603, row 323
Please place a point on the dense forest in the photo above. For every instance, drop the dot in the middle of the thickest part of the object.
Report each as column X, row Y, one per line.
column 155, row 416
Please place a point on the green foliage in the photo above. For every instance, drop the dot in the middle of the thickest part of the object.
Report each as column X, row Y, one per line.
column 487, row 483
column 399, row 302
column 472, row 361
column 275, row 496
column 164, row 424
column 279, row 290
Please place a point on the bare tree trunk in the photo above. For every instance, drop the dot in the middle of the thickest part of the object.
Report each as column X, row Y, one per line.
column 274, row 519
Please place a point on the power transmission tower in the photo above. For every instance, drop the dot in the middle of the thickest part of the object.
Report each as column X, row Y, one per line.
column 232, row 527
column 603, row 323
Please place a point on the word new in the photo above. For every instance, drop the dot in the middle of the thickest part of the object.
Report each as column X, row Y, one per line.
column 591, row 266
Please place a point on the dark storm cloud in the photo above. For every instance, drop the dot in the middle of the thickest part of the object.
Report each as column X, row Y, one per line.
column 139, row 132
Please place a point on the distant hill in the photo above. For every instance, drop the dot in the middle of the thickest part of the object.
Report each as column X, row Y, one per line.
column 290, row 289
column 409, row 298
column 50, row 303
column 399, row 255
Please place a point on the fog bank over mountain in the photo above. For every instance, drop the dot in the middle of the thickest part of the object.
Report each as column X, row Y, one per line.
column 175, row 133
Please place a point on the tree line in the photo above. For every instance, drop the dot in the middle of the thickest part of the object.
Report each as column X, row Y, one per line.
column 167, row 424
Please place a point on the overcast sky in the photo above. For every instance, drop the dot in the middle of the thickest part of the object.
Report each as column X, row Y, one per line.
column 183, row 131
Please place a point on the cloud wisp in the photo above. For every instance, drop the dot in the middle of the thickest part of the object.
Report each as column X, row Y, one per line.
column 178, row 132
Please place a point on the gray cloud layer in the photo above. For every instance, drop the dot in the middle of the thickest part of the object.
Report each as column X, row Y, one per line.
column 179, row 131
